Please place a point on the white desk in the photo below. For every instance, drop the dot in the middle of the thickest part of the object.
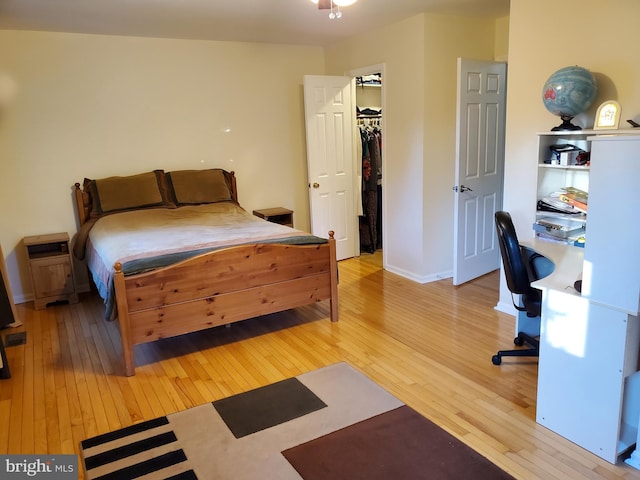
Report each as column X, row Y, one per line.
column 562, row 268
column 588, row 352
column 567, row 262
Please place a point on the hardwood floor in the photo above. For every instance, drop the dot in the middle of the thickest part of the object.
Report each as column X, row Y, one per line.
column 430, row 345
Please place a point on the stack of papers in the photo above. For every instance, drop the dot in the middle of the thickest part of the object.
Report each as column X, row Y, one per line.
column 562, row 228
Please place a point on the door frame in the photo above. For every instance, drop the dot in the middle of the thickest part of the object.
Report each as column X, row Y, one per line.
column 359, row 72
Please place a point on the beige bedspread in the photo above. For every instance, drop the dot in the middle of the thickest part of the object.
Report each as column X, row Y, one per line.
column 145, row 239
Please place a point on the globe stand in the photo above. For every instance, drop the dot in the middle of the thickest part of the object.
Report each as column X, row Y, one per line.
column 566, row 124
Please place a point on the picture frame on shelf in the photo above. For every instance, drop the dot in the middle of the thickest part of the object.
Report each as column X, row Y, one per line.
column 607, row 116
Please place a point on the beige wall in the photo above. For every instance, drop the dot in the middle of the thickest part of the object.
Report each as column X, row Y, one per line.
column 501, row 47
column 400, row 48
column 420, row 57
column 600, row 36
column 95, row 106
column 446, row 39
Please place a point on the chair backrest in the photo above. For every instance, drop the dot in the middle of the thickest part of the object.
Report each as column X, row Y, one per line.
column 515, row 268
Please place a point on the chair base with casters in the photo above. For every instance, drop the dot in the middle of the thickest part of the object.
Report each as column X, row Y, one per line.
column 519, row 341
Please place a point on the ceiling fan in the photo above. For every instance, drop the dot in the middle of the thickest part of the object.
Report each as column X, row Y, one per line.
column 326, row 4
column 333, row 4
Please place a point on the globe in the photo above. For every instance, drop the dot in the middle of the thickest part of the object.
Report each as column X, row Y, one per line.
column 568, row 92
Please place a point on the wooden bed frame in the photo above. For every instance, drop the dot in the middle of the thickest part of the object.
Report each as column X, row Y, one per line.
column 219, row 287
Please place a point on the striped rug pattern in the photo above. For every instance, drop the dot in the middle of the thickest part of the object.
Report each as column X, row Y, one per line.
column 142, row 449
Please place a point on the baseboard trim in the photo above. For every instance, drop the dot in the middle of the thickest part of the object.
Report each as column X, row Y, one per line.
column 506, row 307
column 419, row 278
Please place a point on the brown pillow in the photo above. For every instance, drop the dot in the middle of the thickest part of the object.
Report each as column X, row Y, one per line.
column 199, row 186
column 128, row 193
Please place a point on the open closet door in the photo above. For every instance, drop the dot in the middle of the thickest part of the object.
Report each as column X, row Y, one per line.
column 480, row 136
column 329, row 115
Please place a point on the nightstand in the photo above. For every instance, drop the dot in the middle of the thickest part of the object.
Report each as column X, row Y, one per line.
column 51, row 269
column 280, row 215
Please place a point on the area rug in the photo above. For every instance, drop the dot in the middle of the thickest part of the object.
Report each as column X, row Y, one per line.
column 332, row 423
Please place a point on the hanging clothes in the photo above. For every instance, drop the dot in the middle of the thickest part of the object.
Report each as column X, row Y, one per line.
column 371, row 181
column 379, row 200
column 369, row 116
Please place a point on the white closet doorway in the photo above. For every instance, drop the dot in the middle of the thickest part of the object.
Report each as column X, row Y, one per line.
column 369, row 156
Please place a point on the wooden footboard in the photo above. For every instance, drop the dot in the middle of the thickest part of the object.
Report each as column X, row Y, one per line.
column 222, row 287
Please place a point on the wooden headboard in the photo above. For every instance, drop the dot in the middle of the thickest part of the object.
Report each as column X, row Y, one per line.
column 84, row 202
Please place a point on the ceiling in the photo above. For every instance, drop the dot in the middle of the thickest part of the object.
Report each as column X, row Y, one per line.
column 272, row 21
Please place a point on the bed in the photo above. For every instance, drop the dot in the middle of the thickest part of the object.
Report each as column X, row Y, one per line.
column 173, row 252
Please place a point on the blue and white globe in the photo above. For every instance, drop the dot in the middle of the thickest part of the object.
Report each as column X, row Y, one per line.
column 568, row 92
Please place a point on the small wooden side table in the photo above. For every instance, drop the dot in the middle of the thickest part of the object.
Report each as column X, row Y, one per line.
column 280, row 215
column 51, row 269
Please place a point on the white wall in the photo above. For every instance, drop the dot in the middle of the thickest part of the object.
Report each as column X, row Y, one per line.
column 95, row 106
column 600, row 36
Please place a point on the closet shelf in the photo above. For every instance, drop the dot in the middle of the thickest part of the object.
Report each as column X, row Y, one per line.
column 374, row 80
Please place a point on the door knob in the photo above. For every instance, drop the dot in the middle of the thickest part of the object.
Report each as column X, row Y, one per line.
column 316, row 185
column 462, row 188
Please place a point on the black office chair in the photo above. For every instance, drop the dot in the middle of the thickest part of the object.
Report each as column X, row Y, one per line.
column 519, row 270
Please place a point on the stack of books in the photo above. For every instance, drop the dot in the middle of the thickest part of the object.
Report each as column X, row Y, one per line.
column 578, row 199
column 569, row 200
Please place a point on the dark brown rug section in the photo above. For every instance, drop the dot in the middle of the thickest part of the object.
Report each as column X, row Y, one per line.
column 400, row 444
column 266, row 407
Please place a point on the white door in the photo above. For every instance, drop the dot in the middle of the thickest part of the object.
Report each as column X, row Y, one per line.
column 479, row 167
column 330, row 120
